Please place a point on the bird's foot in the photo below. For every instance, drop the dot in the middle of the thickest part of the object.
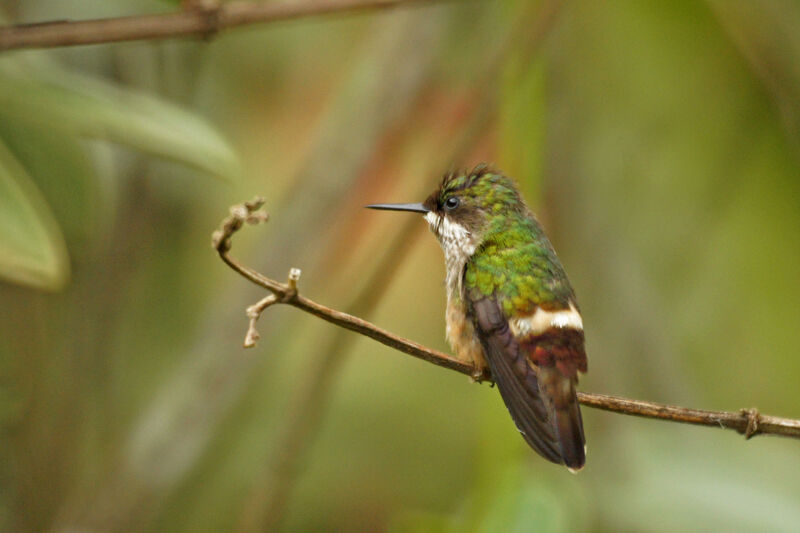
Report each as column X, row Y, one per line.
column 481, row 374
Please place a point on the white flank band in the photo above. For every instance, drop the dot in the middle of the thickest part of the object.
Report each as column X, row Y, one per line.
column 543, row 320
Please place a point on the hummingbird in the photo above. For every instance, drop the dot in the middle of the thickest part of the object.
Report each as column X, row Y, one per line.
column 511, row 310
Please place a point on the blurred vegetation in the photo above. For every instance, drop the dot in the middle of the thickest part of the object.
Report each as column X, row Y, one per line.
column 659, row 143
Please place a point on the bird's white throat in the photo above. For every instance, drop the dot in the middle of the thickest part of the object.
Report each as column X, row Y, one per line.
column 458, row 244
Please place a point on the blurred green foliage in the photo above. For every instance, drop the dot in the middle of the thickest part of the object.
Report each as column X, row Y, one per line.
column 658, row 142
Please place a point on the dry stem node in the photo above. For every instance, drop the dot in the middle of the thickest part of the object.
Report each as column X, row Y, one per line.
column 209, row 11
column 240, row 213
column 752, row 415
column 747, row 421
column 294, row 277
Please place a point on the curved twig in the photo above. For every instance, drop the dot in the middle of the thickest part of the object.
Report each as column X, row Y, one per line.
column 748, row 422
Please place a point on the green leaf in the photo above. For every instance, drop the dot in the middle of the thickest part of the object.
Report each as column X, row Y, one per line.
column 95, row 108
column 58, row 161
column 32, row 249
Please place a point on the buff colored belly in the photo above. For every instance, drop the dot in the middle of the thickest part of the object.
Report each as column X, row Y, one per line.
column 462, row 338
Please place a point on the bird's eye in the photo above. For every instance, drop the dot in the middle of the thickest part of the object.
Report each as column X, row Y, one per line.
column 451, row 203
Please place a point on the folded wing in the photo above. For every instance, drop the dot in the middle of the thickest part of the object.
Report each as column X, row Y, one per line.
column 536, row 376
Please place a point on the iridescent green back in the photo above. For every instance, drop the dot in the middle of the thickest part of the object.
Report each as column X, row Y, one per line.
column 515, row 262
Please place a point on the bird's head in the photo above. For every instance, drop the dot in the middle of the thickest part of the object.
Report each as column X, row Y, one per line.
column 466, row 206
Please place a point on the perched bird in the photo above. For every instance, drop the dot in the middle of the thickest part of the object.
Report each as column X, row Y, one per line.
column 510, row 306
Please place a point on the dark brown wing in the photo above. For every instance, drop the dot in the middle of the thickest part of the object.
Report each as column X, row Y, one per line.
column 542, row 403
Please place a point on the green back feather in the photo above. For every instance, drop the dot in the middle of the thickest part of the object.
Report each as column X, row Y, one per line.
column 515, row 261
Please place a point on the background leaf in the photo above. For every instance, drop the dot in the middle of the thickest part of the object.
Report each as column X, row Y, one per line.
column 52, row 97
column 32, row 249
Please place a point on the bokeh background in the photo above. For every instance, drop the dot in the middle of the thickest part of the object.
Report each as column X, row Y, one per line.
column 659, row 142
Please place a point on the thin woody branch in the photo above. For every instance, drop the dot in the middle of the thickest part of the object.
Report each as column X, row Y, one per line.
column 748, row 422
column 200, row 18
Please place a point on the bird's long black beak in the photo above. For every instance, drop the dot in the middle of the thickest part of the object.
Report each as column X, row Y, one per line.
column 416, row 208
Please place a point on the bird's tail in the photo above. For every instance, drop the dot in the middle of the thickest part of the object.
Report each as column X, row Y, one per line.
column 567, row 420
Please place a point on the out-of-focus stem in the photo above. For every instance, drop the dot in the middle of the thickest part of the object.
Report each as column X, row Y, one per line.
column 200, row 18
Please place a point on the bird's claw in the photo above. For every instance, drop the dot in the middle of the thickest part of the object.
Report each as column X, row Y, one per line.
column 480, row 374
